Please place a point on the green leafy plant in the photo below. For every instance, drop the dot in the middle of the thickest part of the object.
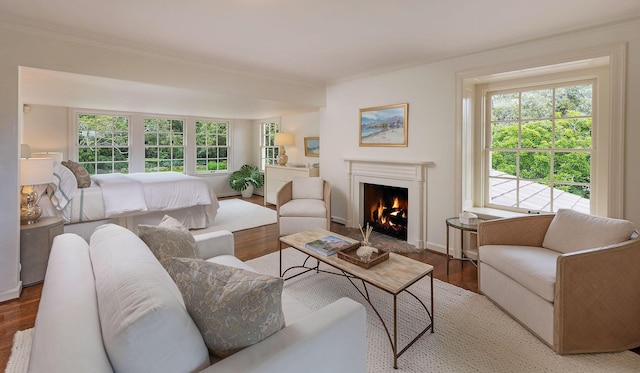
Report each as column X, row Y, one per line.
column 247, row 174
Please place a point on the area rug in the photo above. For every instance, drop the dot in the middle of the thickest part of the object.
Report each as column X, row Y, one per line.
column 19, row 360
column 471, row 333
column 236, row 215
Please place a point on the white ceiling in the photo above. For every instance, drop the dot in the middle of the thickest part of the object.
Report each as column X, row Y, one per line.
column 315, row 41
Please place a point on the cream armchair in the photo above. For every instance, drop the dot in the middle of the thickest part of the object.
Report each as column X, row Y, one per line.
column 302, row 204
column 571, row 279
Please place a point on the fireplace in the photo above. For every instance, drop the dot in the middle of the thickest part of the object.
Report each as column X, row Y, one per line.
column 407, row 174
column 386, row 209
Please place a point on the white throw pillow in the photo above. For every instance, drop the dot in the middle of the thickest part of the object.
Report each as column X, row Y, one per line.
column 571, row 231
column 307, row 188
column 145, row 325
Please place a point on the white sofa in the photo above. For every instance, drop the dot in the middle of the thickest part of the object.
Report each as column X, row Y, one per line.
column 70, row 334
column 572, row 279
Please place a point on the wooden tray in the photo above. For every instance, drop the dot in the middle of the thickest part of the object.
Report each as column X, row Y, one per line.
column 349, row 254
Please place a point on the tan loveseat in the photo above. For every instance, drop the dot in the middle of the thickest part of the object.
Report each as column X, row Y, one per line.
column 572, row 279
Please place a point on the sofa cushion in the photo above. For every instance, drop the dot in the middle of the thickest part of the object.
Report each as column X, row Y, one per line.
column 309, row 208
column 145, row 325
column 232, row 307
column 571, row 231
column 307, row 187
column 168, row 239
column 532, row 267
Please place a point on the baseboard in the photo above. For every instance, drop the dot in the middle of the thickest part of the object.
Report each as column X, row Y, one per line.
column 338, row 220
column 12, row 293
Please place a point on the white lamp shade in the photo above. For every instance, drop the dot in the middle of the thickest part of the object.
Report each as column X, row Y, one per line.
column 56, row 156
column 35, row 171
column 284, row 139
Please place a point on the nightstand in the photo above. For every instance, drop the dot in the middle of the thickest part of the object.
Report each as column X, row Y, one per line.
column 35, row 244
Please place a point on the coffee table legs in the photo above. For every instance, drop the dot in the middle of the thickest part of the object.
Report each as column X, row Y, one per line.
column 393, row 341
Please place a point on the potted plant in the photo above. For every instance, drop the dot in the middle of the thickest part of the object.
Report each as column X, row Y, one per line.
column 245, row 179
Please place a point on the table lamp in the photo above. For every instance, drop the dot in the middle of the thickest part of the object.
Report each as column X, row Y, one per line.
column 283, row 139
column 33, row 171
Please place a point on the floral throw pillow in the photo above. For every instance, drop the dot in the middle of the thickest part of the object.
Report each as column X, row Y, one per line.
column 82, row 175
column 233, row 308
column 168, row 239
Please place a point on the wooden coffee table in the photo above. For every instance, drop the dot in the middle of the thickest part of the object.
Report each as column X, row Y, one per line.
column 393, row 276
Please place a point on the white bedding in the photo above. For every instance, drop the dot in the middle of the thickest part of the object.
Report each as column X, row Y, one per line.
column 124, row 195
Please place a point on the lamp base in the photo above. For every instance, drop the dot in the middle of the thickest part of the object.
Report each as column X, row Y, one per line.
column 283, row 158
column 30, row 215
column 29, row 211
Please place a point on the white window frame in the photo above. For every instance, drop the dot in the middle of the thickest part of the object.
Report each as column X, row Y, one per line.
column 264, row 160
column 486, row 130
column 170, row 146
column 136, row 137
column 608, row 138
column 227, row 146
column 73, row 134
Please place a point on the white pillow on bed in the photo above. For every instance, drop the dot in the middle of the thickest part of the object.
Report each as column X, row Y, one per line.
column 63, row 188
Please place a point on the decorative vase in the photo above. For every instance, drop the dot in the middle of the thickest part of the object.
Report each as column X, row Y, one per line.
column 248, row 192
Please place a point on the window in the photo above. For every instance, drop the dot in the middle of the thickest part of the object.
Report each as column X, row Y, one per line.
column 601, row 68
column 103, row 143
column 539, row 148
column 212, row 149
column 163, row 145
column 268, row 150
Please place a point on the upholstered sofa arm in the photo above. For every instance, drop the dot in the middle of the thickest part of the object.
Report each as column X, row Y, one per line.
column 285, row 194
column 333, row 338
column 215, row 243
column 596, row 299
column 520, row 231
column 67, row 334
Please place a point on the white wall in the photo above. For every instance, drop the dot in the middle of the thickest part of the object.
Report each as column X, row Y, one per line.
column 430, row 92
column 301, row 125
column 20, row 47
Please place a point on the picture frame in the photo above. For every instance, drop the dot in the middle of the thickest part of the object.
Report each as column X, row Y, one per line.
column 384, row 125
column 312, row 146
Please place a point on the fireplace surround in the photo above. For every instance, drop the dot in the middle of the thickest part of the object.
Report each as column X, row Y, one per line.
column 395, row 173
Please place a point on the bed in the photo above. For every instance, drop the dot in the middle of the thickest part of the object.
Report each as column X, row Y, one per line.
column 128, row 200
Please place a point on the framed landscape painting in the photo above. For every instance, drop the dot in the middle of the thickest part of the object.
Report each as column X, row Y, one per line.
column 384, row 125
column 312, row 146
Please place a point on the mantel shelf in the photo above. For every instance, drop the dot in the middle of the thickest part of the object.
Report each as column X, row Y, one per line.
column 391, row 161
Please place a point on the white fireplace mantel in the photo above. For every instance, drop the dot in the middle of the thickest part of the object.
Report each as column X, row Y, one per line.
column 397, row 173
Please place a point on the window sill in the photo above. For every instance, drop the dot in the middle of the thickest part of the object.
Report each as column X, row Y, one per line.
column 489, row 213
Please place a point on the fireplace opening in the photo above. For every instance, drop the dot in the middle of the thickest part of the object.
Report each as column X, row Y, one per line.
column 386, row 209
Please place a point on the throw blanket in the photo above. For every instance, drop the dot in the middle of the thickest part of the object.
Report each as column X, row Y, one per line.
column 162, row 191
column 121, row 194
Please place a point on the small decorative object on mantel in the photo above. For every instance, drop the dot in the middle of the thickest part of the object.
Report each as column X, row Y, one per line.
column 469, row 218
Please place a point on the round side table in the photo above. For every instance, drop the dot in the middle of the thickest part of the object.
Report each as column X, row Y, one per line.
column 457, row 224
